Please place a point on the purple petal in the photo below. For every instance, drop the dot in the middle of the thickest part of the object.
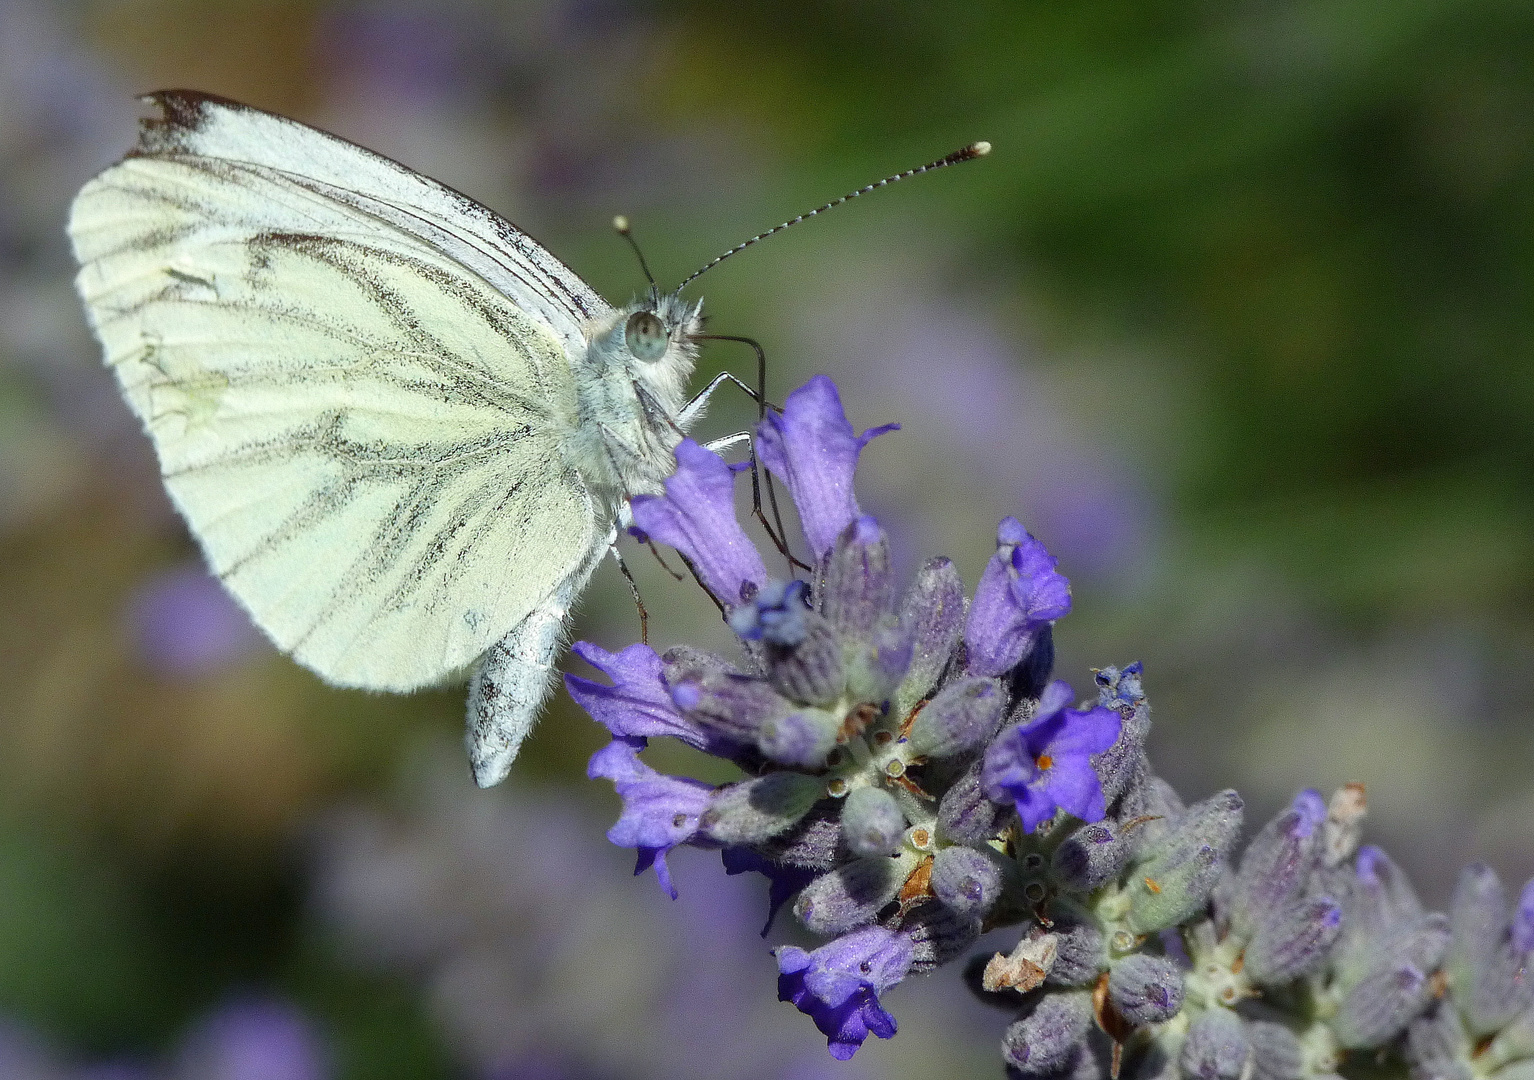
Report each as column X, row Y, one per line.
column 659, row 812
column 255, row 1039
column 185, row 624
column 811, row 447
column 1084, row 733
column 784, row 880
column 638, row 703
column 697, row 517
column 838, row 985
column 1020, row 593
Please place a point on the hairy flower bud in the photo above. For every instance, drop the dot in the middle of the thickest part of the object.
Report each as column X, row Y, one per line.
column 1515, row 1042
column 1081, row 950
column 1437, row 1046
column 1174, row 881
column 754, row 810
column 1293, row 941
column 721, row 698
column 966, row 880
column 875, row 665
column 1485, row 971
column 963, row 715
column 811, row 669
column 965, row 815
column 1394, row 989
column 932, row 617
column 937, row 934
column 1050, row 1036
column 1278, row 862
column 872, row 821
column 1276, row 1051
column 1216, row 1047
column 1093, row 855
column 849, row 896
column 1145, row 989
column 802, row 738
column 859, row 583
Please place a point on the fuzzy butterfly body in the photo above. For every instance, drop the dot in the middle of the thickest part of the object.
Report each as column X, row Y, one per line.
column 400, row 429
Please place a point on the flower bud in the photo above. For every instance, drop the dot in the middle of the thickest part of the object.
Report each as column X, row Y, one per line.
column 1145, row 989
column 875, row 665
column 814, row 843
column 965, row 815
column 938, row 935
column 775, row 615
column 1277, row 863
column 1379, row 905
column 1216, row 1047
column 1123, row 764
column 722, row 699
column 1394, row 989
column 1437, row 1046
column 1050, row 1036
column 754, row 810
column 1483, row 968
column 932, row 616
column 1293, row 941
column 810, row 670
column 962, row 716
column 966, row 880
column 1174, row 881
column 1081, row 950
column 872, row 821
column 859, row 583
column 1276, row 1051
column 1093, row 855
column 849, row 896
column 802, row 738
column 1155, row 806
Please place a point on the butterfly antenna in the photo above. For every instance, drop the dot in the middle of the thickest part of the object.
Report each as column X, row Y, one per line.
column 621, row 224
column 969, row 153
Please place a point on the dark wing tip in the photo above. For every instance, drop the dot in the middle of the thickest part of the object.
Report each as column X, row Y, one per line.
column 181, row 113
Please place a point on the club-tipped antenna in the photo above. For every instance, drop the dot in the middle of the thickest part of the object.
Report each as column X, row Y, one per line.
column 621, row 224
column 969, row 153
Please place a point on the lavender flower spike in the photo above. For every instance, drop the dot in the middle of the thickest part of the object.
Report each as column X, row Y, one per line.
column 838, row 985
column 659, row 812
column 1523, row 920
column 1045, row 765
column 812, row 448
column 697, row 517
column 1019, row 595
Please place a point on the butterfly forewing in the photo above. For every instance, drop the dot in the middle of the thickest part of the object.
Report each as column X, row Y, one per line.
column 356, row 398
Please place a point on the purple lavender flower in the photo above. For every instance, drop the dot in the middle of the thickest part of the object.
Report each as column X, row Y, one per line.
column 812, row 448
column 697, row 517
column 186, row 624
column 254, row 1039
column 1045, row 765
column 659, row 812
column 1019, row 595
column 838, row 985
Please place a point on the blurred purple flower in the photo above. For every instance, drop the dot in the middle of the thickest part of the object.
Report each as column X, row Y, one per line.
column 253, row 1038
column 1046, row 764
column 185, row 624
column 1523, row 920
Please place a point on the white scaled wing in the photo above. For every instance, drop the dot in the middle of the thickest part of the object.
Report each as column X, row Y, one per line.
column 356, row 381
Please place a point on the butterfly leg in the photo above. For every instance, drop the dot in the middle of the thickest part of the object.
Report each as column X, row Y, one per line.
column 644, row 616
column 514, row 677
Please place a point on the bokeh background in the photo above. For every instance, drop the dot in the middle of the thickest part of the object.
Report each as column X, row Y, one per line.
column 1238, row 317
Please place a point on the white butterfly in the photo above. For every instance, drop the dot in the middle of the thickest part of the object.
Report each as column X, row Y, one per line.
column 401, row 430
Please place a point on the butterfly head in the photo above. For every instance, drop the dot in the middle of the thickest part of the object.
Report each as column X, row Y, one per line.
column 656, row 336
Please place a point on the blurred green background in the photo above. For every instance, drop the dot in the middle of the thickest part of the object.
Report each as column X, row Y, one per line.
column 1236, row 317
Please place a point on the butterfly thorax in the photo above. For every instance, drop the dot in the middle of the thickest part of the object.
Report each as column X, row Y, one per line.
column 630, row 388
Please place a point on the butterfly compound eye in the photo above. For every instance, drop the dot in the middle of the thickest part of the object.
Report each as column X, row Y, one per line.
column 646, row 336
